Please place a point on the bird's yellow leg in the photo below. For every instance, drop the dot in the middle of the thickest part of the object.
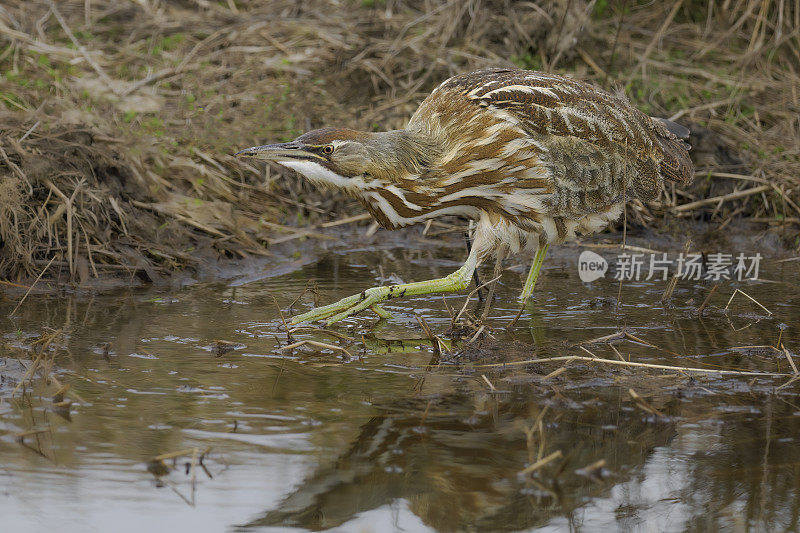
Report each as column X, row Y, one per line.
column 457, row 281
column 533, row 275
column 380, row 311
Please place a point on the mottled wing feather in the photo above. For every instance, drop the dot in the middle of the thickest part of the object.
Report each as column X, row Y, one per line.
column 593, row 141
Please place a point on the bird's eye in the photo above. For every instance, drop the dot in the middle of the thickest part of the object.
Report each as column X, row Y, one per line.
column 327, row 149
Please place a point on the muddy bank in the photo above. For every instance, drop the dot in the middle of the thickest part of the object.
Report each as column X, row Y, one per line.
column 120, row 120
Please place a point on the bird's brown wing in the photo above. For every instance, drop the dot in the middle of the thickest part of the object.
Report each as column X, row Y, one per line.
column 593, row 141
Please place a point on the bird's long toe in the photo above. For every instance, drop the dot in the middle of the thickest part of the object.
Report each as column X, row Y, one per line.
column 346, row 307
column 368, row 301
column 326, row 311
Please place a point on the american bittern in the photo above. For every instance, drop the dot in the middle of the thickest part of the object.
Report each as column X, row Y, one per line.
column 532, row 157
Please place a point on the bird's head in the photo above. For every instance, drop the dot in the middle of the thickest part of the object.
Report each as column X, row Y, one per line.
column 328, row 156
column 348, row 159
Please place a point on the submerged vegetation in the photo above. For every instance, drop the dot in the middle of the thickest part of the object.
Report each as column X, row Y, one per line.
column 119, row 119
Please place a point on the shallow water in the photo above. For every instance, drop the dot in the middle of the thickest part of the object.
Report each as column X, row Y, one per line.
column 385, row 437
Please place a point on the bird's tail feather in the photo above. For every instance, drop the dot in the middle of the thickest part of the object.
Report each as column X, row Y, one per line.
column 677, row 165
column 681, row 132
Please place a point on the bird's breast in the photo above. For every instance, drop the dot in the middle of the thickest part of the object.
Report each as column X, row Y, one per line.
column 392, row 208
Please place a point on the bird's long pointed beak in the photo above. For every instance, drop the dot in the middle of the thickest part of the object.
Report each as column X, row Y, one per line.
column 291, row 151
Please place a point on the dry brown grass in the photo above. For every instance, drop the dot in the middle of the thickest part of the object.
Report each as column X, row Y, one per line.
column 121, row 116
column 731, row 71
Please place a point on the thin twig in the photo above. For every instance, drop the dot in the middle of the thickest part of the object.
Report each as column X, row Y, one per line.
column 323, row 345
column 557, row 372
column 724, row 198
column 428, row 333
column 541, row 462
column 643, row 405
column 739, row 291
column 80, row 47
column 161, row 74
column 707, row 299
column 33, row 285
column 606, row 338
column 473, row 291
column 791, row 361
column 30, row 130
column 658, row 35
column 631, row 363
